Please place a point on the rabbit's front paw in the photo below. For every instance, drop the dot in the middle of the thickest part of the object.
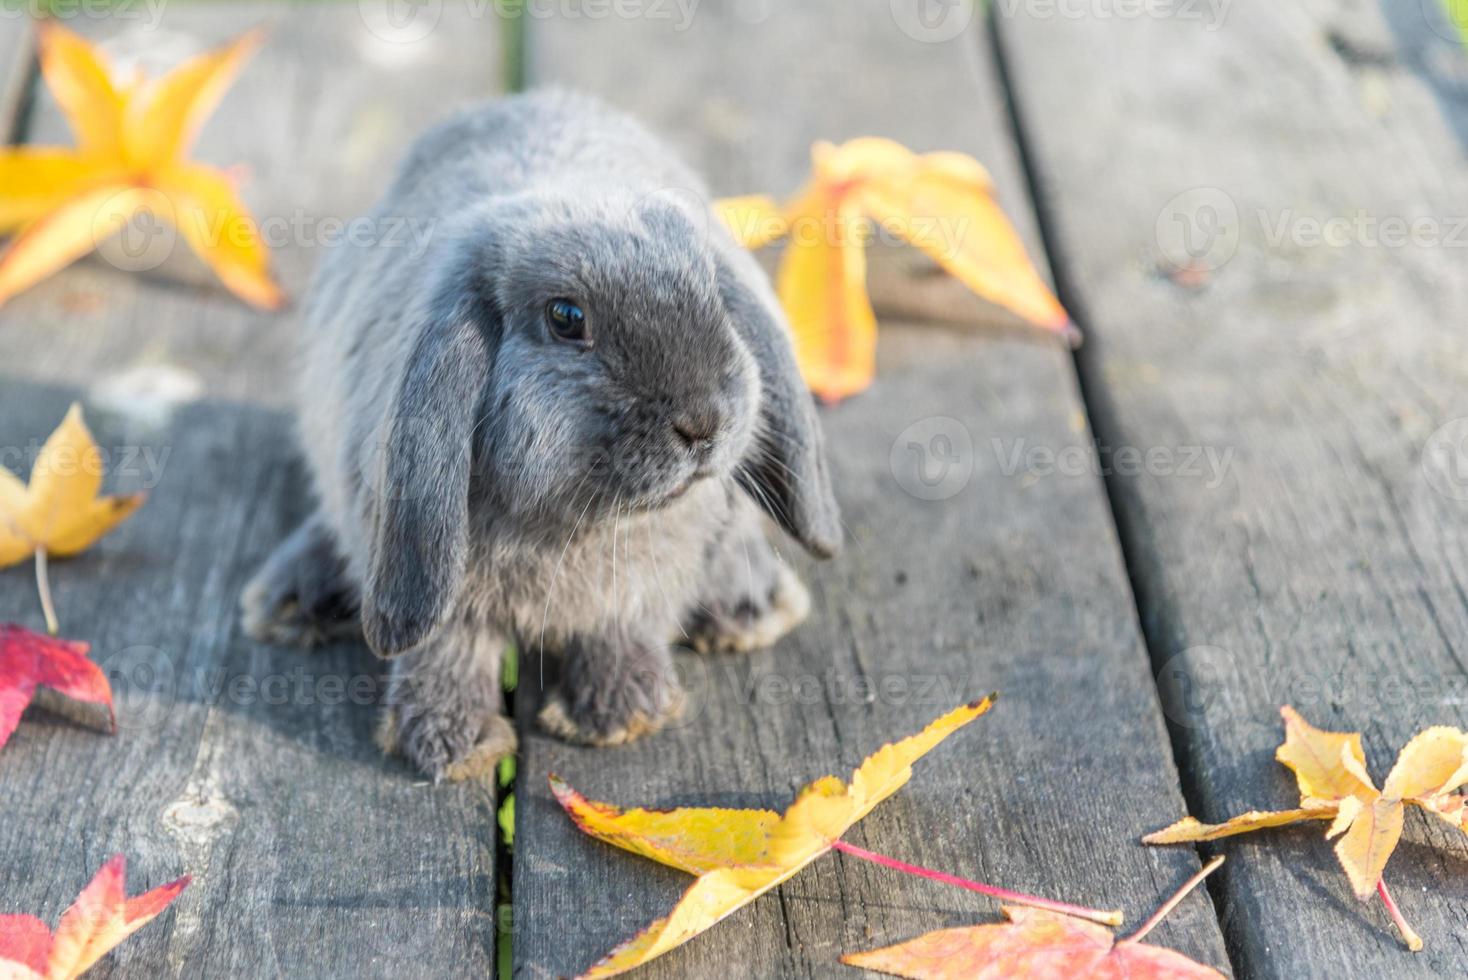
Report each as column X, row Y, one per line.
column 442, row 709
column 446, row 745
column 750, row 618
column 612, row 692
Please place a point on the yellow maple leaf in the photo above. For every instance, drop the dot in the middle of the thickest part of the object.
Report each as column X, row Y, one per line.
column 1330, row 769
column 60, row 513
column 739, row 855
column 132, row 141
column 942, row 203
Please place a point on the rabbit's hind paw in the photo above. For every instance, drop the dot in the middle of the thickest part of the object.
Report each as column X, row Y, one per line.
column 302, row 595
column 753, row 620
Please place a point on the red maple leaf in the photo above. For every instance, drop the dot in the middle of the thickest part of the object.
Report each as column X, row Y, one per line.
column 101, row 917
column 29, row 660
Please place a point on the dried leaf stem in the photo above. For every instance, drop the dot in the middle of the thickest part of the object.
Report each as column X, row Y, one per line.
column 1104, row 917
column 1409, row 935
column 1172, row 903
column 43, row 586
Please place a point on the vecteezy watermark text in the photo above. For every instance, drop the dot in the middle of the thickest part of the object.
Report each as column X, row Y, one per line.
column 1209, row 13
column 149, row 12
column 140, row 466
column 1202, row 228
column 144, row 237
column 411, row 21
column 833, row 687
column 1209, row 464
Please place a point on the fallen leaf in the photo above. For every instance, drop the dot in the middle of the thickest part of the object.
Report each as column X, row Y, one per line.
column 133, row 138
column 60, row 513
column 29, row 660
column 973, row 240
column 739, row 855
column 102, row 917
column 942, row 203
column 1330, row 769
column 822, row 286
column 1033, row 943
column 1039, row 943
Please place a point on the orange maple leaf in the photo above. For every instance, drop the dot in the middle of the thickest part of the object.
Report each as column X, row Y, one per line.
column 133, row 138
column 29, row 660
column 1330, row 769
column 60, row 513
column 1038, row 943
column 102, row 917
column 942, row 203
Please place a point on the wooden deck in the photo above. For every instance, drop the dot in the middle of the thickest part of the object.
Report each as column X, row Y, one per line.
column 1286, row 537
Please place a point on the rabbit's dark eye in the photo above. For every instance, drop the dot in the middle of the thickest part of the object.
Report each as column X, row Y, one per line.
column 567, row 321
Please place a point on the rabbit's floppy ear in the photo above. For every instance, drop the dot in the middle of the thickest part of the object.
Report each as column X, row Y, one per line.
column 421, row 485
column 786, row 472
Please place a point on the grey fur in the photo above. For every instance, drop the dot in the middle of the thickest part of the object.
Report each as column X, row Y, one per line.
column 474, row 471
column 303, row 595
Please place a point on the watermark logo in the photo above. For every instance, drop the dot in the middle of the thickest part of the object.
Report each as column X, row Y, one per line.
column 673, row 212
column 1448, row 19
column 135, row 230
column 933, row 21
column 400, row 21
column 1198, row 230
column 1191, row 685
column 1444, row 461
column 144, row 686
column 933, row 459
column 691, row 676
column 401, row 439
column 405, row 936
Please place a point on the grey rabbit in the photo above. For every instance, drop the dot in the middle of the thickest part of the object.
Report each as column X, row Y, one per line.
column 559, row 424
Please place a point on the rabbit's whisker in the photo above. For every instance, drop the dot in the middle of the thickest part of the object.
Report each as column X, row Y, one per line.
column 748, row 567
column 767, row 454
column 763, row 498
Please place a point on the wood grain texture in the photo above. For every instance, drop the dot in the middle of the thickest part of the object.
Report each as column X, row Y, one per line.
column 1327, row 570
column 250, row 767
column 1012, row 582
column 17, row 67
column 315, row 124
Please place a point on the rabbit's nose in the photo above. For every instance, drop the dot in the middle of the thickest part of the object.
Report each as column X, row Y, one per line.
column 697, row 430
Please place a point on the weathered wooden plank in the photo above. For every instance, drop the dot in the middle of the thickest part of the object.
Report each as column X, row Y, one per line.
column 1013, row 581
column 1326, row 570
column 251, row 767
column 315, row 123
column 17, row 64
